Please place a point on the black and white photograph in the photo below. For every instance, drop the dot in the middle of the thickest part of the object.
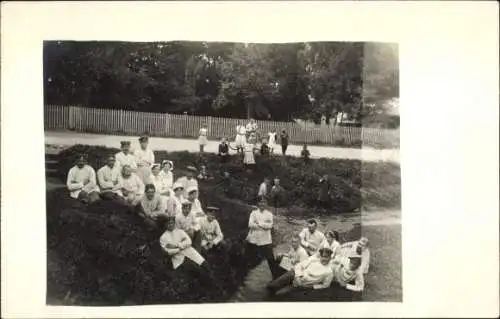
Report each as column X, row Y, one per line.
column 207, row 172
column 267, row 159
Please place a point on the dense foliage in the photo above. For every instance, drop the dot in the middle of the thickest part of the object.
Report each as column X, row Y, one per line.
column 94, row 252
column 267, row 81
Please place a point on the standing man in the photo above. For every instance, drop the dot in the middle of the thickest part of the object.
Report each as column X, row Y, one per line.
column 125, row 157
column 109, row 179
column 145, row 158
column 81, row 181
column 284, row 142
column 259, row 239
column 311, row 238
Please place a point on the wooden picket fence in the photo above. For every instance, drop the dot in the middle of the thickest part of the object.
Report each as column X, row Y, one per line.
column 109, row 121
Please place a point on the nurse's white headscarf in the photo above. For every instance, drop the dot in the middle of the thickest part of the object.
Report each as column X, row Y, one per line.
column 165, row 162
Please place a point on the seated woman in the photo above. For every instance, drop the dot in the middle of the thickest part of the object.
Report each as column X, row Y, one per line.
column 177, row 244
column 109, row 179
column 314, row 272
column 211, row 233
column 174, row 202
column 188, row 223
column 167, row 173
column 159, row 182
column 286, row 262
column 132, row 186
column 196, row 208
column 361, row 248
column 81, row 181
column 151, row 206
column 348, row 273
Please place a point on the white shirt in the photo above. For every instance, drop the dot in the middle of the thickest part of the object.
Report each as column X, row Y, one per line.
column 144, row 157
column 344, row 275
column 160, row 183
column 293, row 257
column 260, row 224
column 262, row 189
column 241, row 129
column 174, row 205
column 312, row 273
column 203, row 132
column 153, row 207
column 178, row 245
column 188, row 223
column 251, row 127
column 168, row 178
column 311, row 242
column 350, row 247
column 187, row 183
column 81, row 179
column 122, row 160
column 210, row 231
column 107, row 176
column 133, row 184
column 272, row 138
column 334, row 246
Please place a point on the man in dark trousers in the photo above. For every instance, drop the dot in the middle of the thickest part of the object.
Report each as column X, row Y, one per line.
column 284, row 141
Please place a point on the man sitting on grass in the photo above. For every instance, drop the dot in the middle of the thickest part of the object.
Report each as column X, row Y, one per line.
column 82, row 182
column 286, row 262
column 211, row 233
column 359, row 247
column 109, row 179
column 132, row 186
column 188, row 223
column 311, row 238
column 177, row 244
column 314, row 272
column 151, row 206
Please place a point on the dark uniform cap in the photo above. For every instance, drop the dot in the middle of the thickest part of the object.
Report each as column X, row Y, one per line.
column 192, row 169
column 212, row 209
column 123, row 143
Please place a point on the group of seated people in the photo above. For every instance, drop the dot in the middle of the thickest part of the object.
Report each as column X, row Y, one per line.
column 314, row 260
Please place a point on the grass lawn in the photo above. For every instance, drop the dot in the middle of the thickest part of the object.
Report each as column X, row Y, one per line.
column 93, row 250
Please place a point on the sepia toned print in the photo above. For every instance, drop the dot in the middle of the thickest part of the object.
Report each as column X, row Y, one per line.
column 196, row 172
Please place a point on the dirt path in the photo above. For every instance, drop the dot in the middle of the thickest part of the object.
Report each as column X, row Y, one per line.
column 191, row 145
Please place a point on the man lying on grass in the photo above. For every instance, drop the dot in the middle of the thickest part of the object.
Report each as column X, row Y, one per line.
column 347, row 272
column 314, row 272
column 286, row 262
column 359, row 247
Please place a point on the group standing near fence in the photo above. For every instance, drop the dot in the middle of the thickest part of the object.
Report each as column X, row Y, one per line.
column 112, row 121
